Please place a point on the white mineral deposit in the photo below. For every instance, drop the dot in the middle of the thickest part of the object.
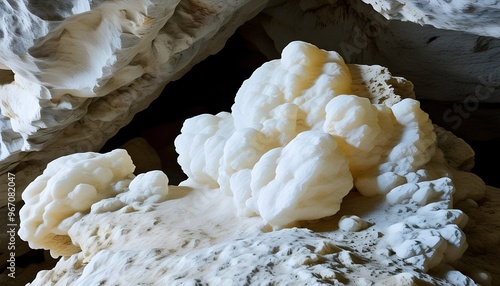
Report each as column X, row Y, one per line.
column 323, row 173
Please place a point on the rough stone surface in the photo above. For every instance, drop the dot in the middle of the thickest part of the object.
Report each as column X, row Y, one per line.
column 475, row 17
column 195, row 237
column 72, row 76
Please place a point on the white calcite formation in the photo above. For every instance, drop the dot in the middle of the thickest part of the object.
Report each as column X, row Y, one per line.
column 274, row 193
column 72, row 184
column 453, row 61
column 308, row 135
column 73, row 72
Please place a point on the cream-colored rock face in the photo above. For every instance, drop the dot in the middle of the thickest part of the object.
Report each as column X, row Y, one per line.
column 326, row 181
column 298, row 139
column 73, row 73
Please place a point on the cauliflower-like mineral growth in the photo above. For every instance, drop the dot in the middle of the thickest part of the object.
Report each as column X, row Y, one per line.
column 304, row 131
column 306, row 179
column 65, row 192
column 298, row 139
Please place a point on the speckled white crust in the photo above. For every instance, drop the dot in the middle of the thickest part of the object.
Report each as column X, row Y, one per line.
column 194, row 237
column 287, row 257
column 433, row 233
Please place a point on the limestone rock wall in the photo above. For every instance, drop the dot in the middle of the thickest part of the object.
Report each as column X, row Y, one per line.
column 72, row 73
column 475, row 17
